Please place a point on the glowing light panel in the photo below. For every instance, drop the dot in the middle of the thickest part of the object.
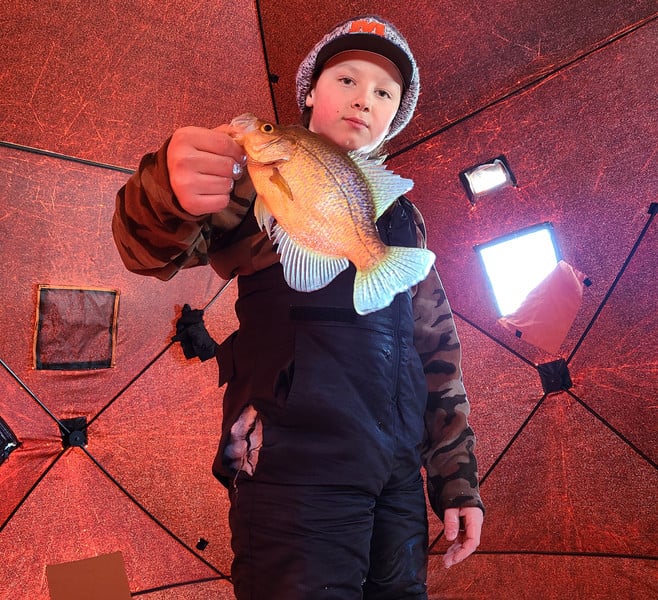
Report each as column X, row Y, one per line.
column 515, row 264
column 487, row 177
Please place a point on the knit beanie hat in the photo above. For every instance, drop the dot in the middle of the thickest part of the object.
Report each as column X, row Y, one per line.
column 373, row 34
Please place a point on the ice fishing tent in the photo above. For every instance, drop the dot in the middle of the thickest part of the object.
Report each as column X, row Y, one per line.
column 108, row 432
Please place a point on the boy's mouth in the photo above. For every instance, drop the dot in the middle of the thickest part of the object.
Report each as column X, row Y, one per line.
column 356, row 122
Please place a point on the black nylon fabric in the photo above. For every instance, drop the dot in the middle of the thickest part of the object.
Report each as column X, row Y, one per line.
column 339, row 399
column 329, row 542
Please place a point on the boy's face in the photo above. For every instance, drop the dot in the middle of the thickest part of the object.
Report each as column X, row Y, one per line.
column 355, row 99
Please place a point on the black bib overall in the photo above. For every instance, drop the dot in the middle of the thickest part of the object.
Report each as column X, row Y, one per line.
column 335, row 506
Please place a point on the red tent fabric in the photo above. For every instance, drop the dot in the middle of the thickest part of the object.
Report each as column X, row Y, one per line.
column 117, row 458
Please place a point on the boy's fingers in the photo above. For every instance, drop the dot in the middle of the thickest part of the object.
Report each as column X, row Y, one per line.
column 457, row 553
column 464, row 528
column 451, row 523
column 236, row 151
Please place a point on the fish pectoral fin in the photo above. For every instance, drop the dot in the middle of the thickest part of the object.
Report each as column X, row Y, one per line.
column 385, row 186
column 263, row 216
column 305, row 270
column 401, row 269
column 279, row 181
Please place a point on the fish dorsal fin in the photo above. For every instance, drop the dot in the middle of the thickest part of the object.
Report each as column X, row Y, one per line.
column 385, row 186
column 304, row 269
column 263, row 216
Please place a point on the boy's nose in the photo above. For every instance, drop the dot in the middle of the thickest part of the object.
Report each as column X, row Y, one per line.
column 361, row 104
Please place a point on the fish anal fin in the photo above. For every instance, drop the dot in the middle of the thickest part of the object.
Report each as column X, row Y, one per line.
column 305, row 270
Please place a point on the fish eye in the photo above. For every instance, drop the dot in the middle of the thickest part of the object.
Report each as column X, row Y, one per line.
column 267, row 128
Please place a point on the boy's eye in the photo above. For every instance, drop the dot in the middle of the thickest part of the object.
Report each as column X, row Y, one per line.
column 267, row 128
column 346, row 80
column 384, row 94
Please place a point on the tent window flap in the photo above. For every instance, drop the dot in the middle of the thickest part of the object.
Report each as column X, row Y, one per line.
column 75, row 328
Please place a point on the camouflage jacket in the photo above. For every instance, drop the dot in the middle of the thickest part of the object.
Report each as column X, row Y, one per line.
column 156, row 237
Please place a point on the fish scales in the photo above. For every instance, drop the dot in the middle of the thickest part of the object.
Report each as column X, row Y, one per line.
column 319, row 205
column 337, row 204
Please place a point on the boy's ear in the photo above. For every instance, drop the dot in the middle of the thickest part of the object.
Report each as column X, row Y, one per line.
column 309, row 99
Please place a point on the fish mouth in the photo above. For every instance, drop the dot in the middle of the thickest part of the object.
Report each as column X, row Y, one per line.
column 245, row 122
column 240, row 126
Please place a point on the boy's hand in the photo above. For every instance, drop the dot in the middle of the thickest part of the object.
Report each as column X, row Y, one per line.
column 203, row 166
column 465, row 540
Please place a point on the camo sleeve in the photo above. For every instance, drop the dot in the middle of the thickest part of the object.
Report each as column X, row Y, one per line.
column 449, row 447
column 152, row 232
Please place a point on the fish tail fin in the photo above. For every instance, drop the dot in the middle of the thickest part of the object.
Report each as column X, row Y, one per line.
column 401, row 269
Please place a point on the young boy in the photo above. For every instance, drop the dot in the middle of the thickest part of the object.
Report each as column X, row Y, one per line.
column 328, row 415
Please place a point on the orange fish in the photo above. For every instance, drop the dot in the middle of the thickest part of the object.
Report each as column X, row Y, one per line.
column 319, row 205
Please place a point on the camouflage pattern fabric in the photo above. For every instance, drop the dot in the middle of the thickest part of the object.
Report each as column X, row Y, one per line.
column 449, row 448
